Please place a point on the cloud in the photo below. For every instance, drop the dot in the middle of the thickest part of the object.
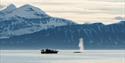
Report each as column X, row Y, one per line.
column 49, row 3
column 1, row 7
column 74, row 12
column 120, row 18
column 110, row 0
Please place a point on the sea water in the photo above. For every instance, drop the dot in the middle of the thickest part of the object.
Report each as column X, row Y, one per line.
column 64, row 56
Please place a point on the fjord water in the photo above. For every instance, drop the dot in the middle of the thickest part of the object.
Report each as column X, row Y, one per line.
column 64, row 56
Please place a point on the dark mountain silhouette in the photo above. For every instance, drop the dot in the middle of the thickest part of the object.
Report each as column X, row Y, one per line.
column 96, row 36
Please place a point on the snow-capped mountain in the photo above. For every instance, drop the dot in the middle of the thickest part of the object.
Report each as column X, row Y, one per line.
column 26, row 19
column 28, row 27
column 27, row 11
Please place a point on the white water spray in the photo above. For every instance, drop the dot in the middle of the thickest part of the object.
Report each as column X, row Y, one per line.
column 81, row 45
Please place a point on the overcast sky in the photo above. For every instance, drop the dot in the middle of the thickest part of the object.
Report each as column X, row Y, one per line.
column 80, row 11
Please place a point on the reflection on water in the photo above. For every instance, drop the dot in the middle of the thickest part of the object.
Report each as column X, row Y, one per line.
column 64, row 56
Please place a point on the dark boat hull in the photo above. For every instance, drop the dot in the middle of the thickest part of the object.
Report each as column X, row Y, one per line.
column 48, row 51
column 78, row 52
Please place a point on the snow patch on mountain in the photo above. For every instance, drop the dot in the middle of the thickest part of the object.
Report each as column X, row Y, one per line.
column 27, row 11
column 9, row 9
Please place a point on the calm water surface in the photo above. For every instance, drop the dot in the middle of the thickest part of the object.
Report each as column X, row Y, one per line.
column 64, row 56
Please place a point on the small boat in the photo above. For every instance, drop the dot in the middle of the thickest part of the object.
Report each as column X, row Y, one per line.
column 48, row 51
column 78, row 52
